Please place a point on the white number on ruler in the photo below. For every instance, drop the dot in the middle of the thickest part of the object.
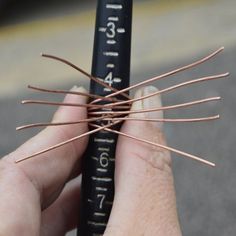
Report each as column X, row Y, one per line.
column 109, row 79
column 104, row 159
column 102, row 198
column 111, row 27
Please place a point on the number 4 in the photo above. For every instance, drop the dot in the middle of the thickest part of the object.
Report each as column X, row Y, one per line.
column 109, row 79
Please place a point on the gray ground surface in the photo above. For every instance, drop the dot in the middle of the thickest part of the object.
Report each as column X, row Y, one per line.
column 205, row 196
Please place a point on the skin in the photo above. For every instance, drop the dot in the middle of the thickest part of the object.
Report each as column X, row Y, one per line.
column 40, row 196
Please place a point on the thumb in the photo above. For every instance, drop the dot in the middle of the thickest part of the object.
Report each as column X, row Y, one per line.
column 144, row 202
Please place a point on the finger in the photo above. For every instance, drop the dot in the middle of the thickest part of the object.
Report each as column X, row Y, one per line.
column 144, row 201
column 19, row 202
column 49, row 171
column 62, row 215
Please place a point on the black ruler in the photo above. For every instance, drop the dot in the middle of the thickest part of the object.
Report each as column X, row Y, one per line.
column 111, row 64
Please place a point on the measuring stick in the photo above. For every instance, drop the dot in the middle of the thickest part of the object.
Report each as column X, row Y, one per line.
column 111, row 64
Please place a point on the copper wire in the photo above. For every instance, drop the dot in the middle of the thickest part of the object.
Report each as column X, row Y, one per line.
column 84, row 73
column 181, row 105
column 72, row 92
column 165, row 74
column 196, row 158
column 200, row 119
column 107, row 112
column 58, row 123
column 69, row 104
column 105, row 118
column 207, row 78
column 65, row 142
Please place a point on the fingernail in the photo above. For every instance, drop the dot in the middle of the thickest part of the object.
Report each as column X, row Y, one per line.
column 77, row 89
column 74, row 88
column 81, row 89
column 149, row 103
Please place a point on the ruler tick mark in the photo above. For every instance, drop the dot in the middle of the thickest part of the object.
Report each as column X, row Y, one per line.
column 103, row 149
column 102, row 29
column 101, row 189
column 110, row 65
column 99, row 214
column 121, row 30
column 114, row 6
column 113, row 18
column 95, row 158
column 102, row 140
column 117, row 80
column 111, row 41
column 96, row 223
column 111, row 54
column 108, row 203
column 102, row 179
column 101, row 170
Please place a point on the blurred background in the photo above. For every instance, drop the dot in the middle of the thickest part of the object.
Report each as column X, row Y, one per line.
column 166, row 35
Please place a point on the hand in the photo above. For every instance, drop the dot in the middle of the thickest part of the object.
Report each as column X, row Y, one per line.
column 40, row 196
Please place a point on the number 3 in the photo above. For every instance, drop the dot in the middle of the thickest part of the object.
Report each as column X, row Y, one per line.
column 111, row 27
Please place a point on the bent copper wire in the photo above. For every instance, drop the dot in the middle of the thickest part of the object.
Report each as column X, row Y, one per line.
column 118, row 104
column 116, row 122
column 65, row 142
column 179, row 120
column 181, row 105
column 70, row 104
column 113, row 114
column 207, row 78
column 71, row 92
column 208, row 57
column 83, row 72
column 196, row 158
column 109, row 114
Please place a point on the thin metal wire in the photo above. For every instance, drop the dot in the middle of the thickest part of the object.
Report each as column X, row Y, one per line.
column 70, row 104
column 65, row 142
column 196, row 158
column 165, row 74
column 109, row 114
column 171, row 88
column 57, row 123
column 72, row 92
column 200, row 119
column 181, row 105
column 83, row 72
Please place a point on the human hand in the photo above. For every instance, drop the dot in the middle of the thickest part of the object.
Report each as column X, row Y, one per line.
column 40, row 196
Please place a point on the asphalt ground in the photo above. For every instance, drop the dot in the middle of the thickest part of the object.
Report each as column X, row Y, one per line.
column 165, row 37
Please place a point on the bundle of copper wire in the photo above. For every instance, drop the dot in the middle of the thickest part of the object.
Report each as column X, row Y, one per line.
column 116, row 111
